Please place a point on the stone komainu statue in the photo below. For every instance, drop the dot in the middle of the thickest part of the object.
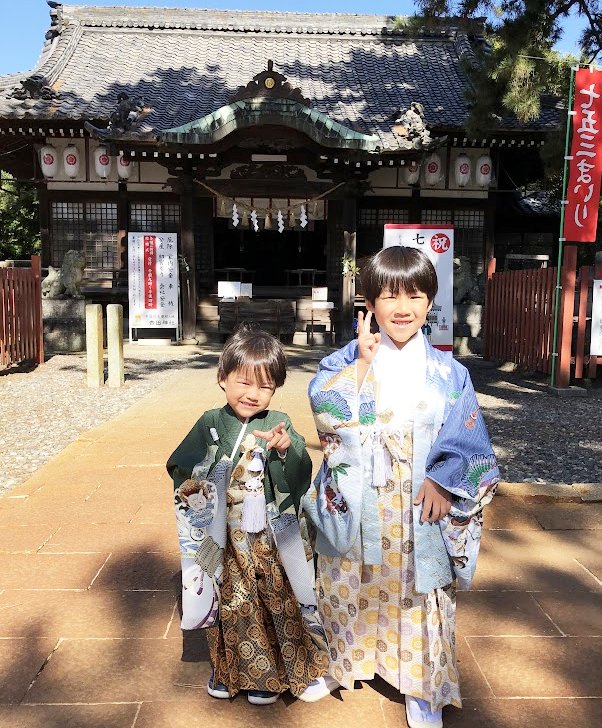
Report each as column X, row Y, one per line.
column 468, row 287
column 66, row 282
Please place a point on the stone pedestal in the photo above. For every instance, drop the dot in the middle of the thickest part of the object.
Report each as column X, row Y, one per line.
column 64, row 325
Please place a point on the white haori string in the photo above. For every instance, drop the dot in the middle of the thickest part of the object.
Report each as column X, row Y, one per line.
column 241, row 434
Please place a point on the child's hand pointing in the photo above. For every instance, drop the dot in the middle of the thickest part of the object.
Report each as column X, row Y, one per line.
column 277, row 438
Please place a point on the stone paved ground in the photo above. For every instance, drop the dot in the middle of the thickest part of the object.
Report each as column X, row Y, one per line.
column 89, row 628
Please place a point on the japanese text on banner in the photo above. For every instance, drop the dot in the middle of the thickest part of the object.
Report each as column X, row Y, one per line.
column 583, row 192
column 150, row 276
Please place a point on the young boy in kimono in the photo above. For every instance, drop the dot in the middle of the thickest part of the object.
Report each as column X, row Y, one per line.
column 397, row 504
column 239, row 476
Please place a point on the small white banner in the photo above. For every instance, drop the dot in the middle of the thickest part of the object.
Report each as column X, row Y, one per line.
column 153, row 280
column 595, row 348
column 437, row 242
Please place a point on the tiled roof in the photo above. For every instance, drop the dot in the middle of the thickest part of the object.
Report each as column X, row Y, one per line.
column 185, row 64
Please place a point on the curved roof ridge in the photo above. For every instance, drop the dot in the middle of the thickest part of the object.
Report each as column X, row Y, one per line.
column 256, row 21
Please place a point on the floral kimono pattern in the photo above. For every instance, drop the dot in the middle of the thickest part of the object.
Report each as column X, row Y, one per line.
column 450, row 445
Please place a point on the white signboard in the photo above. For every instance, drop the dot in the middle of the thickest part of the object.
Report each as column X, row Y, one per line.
column 437, row 242
column 234, row 289
column 153, row 280
column 596, row 342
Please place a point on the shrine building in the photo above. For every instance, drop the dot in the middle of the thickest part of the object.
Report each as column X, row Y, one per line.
column 274, row 145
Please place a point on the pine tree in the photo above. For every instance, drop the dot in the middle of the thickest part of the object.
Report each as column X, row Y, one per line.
column 518, row 67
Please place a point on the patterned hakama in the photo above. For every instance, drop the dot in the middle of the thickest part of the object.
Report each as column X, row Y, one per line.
column 375, row 621
column 261, row 642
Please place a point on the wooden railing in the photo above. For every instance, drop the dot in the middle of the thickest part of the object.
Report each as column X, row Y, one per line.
column 519, row 319
column 21, row 335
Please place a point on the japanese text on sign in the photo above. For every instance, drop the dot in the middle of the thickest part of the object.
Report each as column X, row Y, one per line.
column 153, row 280
column 583, row 192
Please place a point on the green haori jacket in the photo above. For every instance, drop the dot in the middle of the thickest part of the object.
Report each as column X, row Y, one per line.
column 286, row 480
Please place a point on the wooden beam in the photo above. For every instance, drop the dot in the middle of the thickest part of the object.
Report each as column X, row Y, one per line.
column 188, row 272
column 44, row 213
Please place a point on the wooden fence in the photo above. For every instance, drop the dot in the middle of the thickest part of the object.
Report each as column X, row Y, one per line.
column 21, row 336
column 519, row 319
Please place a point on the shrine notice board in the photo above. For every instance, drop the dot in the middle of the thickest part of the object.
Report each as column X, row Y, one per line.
column 153, row 288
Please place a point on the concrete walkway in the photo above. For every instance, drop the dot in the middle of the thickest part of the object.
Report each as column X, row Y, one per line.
column 89, row 629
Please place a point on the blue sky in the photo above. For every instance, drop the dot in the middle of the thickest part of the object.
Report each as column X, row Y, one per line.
column 24, row 22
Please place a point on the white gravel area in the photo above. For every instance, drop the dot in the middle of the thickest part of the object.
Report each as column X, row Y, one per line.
column 43, row 410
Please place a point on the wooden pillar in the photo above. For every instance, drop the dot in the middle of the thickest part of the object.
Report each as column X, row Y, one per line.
column 188, row 271
column 122, row 224
column 204, row 251
column 489, row 247
column 415, row 213
column 346, row 332
column 37, row 311
column 44, row 212
column 569, row 277
column 488, row 315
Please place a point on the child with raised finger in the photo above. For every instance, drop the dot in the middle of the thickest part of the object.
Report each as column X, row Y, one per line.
column 408, row 467
column 239, row 476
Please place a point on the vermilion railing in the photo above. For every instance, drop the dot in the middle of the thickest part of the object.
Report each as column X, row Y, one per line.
column 21, row 335
column 519, row 320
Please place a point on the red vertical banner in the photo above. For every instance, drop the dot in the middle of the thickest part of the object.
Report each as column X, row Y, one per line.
column 583, row 191
column 150, row 271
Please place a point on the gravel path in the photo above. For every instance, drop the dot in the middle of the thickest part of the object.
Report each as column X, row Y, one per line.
column 43, row 410
column 538, row 438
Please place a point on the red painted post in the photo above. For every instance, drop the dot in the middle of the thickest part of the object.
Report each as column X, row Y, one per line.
column 583, row 290
column 489, row 307
column 569, row 275
column 36, row 268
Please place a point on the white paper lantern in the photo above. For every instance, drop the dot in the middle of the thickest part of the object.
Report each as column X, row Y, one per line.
column 484, row 170
column 124, row 166
column 432, row 169
column 48, row 161
column 71, row 160
column 412, row 172
column 102, row 162
column 462, row 169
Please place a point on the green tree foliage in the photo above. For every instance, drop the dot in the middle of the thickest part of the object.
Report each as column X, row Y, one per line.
column 19, row 219
column 519, row 65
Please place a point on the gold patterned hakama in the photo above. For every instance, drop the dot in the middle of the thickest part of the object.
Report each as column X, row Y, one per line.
column 261, row 642
column 375, row 621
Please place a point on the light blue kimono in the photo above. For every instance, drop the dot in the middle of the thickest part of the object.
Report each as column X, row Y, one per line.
column 450, row 445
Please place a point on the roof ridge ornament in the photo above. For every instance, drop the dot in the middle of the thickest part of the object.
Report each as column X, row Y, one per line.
column 269, row 84
column 411, row 123
column 34, row 87
column 126, row 115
